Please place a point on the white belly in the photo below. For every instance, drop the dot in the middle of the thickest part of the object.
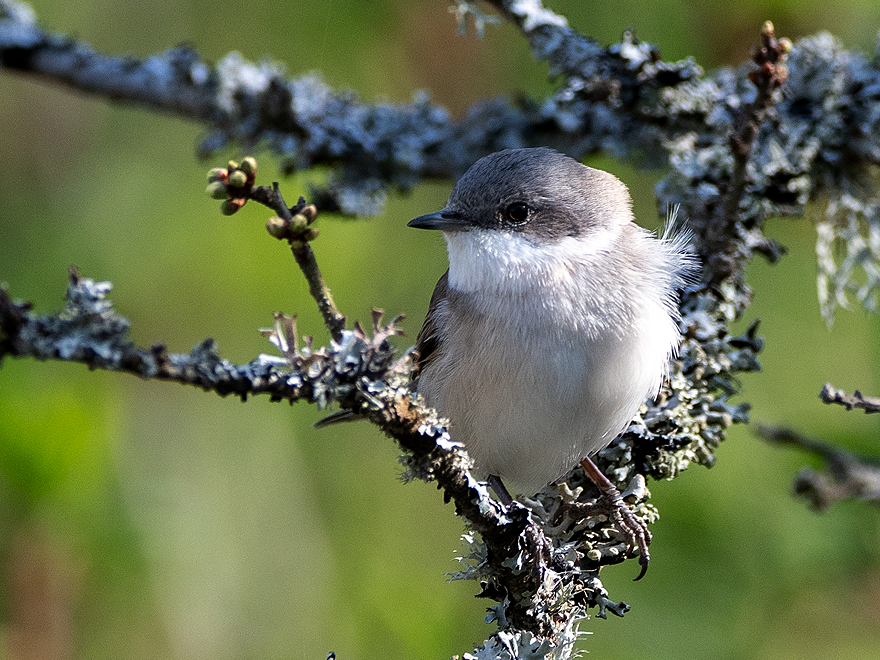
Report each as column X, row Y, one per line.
column 529, row 414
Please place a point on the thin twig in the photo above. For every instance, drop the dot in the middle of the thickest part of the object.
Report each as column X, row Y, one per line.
column 235, row 183
column 334, row 321
column 305, row 259
column 767, row 78
column 869, row 404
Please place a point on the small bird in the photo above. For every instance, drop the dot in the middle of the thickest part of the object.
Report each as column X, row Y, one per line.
column 556, row 320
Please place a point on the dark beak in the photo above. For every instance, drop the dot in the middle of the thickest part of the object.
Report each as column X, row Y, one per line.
column 442, row 220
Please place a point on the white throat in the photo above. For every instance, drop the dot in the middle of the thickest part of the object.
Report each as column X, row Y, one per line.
column 491, row 261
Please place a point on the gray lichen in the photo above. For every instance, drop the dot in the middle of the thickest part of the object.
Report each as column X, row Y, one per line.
column 850, row 227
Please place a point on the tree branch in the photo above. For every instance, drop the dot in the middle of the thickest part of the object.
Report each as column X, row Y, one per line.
column 234, row 184
column 846, row 476
column 767, row 79
column 830, row 394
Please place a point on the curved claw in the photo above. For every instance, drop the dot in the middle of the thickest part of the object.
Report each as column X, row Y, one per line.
column 635, row 529
column 644, row 556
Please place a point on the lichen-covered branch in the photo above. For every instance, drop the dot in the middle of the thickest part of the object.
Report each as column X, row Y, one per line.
column 89, row 331
column 830, row 394
column 768, row 78
column 622, row 99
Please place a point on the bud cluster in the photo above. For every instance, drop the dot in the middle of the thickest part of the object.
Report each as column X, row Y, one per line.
column 232, row 184
column 297, row 230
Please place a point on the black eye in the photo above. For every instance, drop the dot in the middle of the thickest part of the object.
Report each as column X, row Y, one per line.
column 516, row 213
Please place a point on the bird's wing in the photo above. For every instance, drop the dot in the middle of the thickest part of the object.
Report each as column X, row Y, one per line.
column 428, row 341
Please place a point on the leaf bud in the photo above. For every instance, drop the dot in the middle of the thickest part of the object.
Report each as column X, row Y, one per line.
column 310, row 212
column 230, row 206
column 217, row 174
column 249, row 166
column 277, row 227
column 217, row 190
column 298, row 223
column 237, row 179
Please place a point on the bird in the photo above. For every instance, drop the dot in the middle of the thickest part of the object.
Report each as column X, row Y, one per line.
column 556, row 319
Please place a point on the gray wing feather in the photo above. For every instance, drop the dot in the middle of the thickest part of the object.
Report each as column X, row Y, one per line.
column 428, row 340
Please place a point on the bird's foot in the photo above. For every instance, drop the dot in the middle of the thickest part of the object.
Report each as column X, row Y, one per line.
column 634, row 528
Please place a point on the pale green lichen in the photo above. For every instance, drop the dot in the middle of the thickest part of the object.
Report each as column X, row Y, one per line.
column 848, row 249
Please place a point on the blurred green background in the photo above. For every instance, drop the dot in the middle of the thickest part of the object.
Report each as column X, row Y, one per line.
column 145, row 520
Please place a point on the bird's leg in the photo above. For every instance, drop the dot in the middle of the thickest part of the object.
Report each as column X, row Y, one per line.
column 494, row 482
column 635, row 529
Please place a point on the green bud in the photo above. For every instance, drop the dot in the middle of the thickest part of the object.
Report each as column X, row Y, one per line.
column 276, row 227
column 232, row 165
column 237, row 179
column 310, row 212
column 298, row 223
column 249, row 166
column 785, row 44
column 310, row 234
column 217, row 190
column 296, row 244
column 230, row 206
column 217, row 174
